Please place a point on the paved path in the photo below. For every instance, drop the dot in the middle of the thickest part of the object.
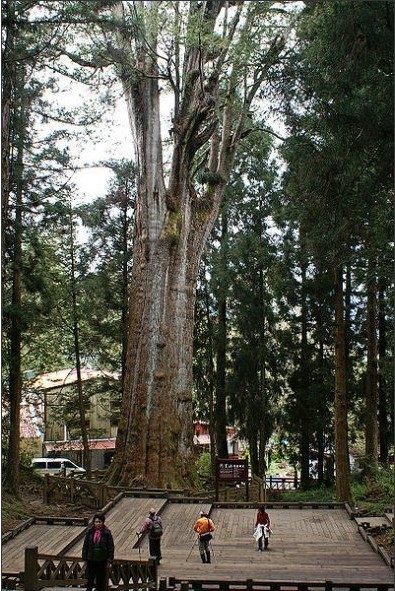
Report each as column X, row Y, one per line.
column 307, row 544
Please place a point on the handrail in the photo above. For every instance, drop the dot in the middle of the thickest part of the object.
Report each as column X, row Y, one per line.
column 49, row 570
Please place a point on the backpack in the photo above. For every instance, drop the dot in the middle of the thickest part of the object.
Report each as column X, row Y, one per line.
column 156, row 530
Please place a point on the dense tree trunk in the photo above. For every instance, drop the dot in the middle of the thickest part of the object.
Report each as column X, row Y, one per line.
column 77, row 354
column 382, row 382
column 371, row 425
column 124, row 204
column 343, row 489
column 220, row 391
column 304, row 387
column 262, row 370
column 254, row 455
column 15, row 376
column 210, row 379
column 8, row 79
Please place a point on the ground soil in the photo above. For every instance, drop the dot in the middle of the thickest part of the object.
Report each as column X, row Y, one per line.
column 30, row 502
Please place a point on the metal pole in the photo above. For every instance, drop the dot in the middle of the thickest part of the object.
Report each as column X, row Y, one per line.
column 190, row 552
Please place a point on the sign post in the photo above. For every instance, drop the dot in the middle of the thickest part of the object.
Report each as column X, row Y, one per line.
column 231, row 470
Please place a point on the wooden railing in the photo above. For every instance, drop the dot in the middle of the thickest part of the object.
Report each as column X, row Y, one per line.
column 173, row 584
column 42, row 570
column 60, row 489
column 280, row 483
column 95, row 495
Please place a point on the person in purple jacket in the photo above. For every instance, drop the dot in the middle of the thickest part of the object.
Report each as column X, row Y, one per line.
column 153, row 525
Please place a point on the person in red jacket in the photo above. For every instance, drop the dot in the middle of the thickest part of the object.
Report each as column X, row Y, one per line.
column 262, row 519
column 204, row 526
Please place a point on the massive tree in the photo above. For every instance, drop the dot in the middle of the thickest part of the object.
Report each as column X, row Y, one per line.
column 214, row 57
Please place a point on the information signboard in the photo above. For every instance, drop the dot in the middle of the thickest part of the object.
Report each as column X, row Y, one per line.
column 231, row 471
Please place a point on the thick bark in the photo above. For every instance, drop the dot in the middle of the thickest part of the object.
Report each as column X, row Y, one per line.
column 343, row 489
column 371, row 425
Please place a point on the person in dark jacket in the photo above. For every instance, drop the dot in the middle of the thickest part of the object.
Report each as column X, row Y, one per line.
column 98, row 551
column 153, row 525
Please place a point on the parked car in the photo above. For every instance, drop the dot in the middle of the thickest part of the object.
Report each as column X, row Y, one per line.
column 56, row 466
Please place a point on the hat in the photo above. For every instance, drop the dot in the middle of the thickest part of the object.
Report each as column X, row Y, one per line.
column 152, row 511
column 203, row 513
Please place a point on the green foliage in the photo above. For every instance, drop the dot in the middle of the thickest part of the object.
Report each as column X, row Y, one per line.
column 373, row 494
column 322, row 494
column 370, row 495
column 203, row 465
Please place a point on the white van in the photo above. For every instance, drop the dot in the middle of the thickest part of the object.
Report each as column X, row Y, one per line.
column 55, row 465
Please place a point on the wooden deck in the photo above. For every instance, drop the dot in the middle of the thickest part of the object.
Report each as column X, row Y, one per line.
column 50, row 539
column 307, row 544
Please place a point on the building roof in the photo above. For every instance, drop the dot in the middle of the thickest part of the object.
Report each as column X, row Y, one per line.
column 63, row 377
column 77, row 445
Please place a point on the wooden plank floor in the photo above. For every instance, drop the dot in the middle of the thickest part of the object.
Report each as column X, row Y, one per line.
column 307, row 544
column 124, row 520
column 50, row 539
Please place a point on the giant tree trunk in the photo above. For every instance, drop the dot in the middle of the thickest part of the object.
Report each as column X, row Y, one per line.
column 343, row 489
column 155, row 431
column 173, row 221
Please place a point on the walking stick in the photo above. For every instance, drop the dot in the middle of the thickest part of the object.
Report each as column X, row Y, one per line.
column 138, row 541
column 190, row 552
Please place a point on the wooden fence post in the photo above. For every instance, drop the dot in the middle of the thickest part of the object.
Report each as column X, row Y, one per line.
column 72, row 489
column 31, row 578
column 45, row 490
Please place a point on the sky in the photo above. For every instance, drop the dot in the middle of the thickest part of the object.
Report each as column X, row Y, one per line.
column 117, row 143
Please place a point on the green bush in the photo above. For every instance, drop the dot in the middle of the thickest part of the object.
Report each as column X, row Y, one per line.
column 370, row 494
column 322, row 494
column 373, row 494
column 203, row 465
